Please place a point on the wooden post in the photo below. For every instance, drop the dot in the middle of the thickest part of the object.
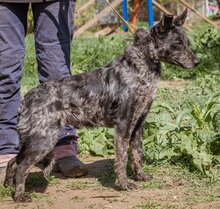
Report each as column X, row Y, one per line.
column 85, row 7
column 161, row 8
column 93, row 21
column 197, row 13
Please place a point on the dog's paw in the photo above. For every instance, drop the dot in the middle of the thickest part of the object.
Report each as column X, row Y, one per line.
column 22, row 198
column 143, row 177
column 128, row 186
column 132, row 186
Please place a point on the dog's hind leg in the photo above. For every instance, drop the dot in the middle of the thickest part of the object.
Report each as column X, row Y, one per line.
column 10, row 172
column 34, row 151
column 23, row 170
column 50, row 161
column 12, row 167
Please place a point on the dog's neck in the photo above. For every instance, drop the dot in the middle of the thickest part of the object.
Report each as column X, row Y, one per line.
column 142, row 60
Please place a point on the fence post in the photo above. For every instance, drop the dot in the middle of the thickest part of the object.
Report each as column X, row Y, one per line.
column 125, row 13
column 150, row 13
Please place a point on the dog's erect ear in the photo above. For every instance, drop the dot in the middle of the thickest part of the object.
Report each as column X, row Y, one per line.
column 140, row 33
column 164, row 24
column 166, row 21
column 179, row 20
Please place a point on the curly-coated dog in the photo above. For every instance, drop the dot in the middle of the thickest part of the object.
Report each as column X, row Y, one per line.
column 118, row 95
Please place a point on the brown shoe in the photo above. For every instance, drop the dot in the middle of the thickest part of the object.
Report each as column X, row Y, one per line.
column 70, row 167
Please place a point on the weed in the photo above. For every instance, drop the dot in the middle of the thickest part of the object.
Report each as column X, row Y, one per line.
column 75, row 185
column 149, row 205
column 5, row 192
column 77, row 199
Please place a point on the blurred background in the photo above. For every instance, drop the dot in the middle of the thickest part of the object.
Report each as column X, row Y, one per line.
column 137, row 13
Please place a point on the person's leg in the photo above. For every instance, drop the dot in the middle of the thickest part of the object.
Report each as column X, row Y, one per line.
column 53, row 27
column 12, row 34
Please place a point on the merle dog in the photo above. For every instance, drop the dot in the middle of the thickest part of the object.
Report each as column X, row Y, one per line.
column 118, row 95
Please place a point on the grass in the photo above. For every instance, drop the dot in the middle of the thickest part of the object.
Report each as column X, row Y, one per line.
column 149, row 205
column 76, row 185
column 5, row 192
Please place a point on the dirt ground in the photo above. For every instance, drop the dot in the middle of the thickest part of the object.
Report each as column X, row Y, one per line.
column 99, row 191
column 176, row 84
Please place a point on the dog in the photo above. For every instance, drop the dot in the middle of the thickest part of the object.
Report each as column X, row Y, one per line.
column 118, row 96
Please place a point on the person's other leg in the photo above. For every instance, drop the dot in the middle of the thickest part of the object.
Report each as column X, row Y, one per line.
column 53, row 27
column 12, row 34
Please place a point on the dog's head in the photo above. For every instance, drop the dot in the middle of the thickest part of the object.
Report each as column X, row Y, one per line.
column 167, row 42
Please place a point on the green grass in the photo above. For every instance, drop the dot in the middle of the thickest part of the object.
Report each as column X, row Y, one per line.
column 149, row 205
column 5, row 192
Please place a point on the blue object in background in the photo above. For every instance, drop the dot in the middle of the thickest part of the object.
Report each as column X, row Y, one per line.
column 125, row 13
column 150, row 13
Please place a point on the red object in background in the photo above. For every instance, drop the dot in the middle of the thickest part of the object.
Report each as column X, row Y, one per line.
column 135, row 12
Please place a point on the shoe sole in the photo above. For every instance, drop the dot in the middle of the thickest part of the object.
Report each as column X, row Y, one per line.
column 76, row 172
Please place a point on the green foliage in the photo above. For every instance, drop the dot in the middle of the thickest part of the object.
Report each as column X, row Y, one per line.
column 30, row 22
column 5, row 192
column 91, row 53
column 97, row 142
column 190, row 136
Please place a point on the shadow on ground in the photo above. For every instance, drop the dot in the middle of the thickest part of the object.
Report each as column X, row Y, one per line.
column 103, row 171
column 36, row 182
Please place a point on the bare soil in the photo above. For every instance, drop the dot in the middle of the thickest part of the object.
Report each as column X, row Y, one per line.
column 98, row 191
column 175, row 84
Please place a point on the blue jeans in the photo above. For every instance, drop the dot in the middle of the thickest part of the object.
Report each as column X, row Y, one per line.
column 53, row 29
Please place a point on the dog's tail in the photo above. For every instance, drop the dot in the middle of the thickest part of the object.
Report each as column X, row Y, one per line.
column 23, row 122
column 25, row 114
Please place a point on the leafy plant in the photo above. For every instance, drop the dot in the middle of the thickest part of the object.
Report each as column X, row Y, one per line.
column 97, row 142
column 188, row 136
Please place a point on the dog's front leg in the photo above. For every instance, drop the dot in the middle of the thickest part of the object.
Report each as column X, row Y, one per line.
column 121, row 158
column 136, row 152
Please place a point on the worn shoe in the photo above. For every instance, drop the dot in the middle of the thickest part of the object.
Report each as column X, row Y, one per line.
column 70, row 167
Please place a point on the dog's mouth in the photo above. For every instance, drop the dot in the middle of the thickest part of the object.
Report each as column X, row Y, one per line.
column 184, row 65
